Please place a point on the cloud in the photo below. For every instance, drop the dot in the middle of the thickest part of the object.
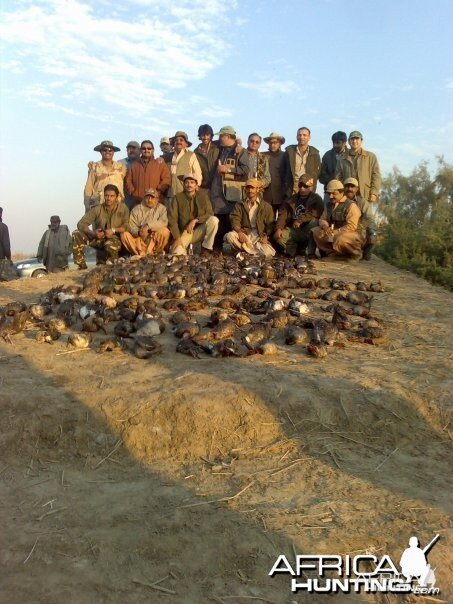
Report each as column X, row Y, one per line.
column 131, row 61
column 270, row 87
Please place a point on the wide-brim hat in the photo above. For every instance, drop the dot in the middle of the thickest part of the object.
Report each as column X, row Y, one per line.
column 106, row 144
column 272, row 135
column 226, row 130
column 183, row 134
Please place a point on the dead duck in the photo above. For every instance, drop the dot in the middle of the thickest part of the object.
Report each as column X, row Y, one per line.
column 258, row 333
column 298, row 307
column 188, row 347
column 180, row 316
column 358, row 297
column 124, row 329
column 186, row 329
column 319, row 351
column 241, row 319
column 149, row 327
column 93, row 324
column 47, row 336
column 278, row 319
column 296, row 335
column 265, row 348
column 110, row 345
column 146, row 347
column 224, row 329
column 39, row 311
column 80, row 340
column 324, row 332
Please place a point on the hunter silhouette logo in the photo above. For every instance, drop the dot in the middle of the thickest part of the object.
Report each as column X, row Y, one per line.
column 332, row 573
column 414, row 564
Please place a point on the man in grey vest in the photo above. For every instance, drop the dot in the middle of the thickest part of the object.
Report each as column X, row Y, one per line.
column 181, row 162
column 55, row 246
column 367, row 220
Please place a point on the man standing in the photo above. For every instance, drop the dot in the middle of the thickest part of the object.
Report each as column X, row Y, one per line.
column 337, row 233
column 109, row 220
column 301, row 159
column 147, row 232
column 165, row 145
column 191, row 220
column 361, row 165
column 257, row 163
column 252, row 221
column 274, row 193
column 133, row 154
column 367, row 221
column 146, row 173
column 102, row 173
column 5, row 247
column 330, row 159
column 207, row 154
column 226, row 189
column 55, row 246
column 182, row 161
column 297, row 217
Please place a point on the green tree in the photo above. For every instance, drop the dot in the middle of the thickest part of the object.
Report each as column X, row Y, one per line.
column 417, row 230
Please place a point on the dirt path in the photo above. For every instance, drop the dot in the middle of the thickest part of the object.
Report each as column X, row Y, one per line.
column 103, row 490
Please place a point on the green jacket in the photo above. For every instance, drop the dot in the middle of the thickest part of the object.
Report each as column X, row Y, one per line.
column 368, row 173
column 240, row 220
column 101, row 218
column 182, row 211
column 312, row 167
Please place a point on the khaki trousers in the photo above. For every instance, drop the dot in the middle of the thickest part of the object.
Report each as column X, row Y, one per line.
column 347, row 243
column 203, row 232
column 153, row 245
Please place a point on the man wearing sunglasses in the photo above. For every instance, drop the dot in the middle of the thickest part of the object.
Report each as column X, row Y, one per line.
column 297, row 217
column 146, row 173
column 102, row 173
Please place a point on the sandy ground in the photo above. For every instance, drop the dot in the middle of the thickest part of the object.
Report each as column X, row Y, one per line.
column 104, row 492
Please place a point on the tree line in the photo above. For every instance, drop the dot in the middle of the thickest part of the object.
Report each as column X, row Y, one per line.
column 416, row 232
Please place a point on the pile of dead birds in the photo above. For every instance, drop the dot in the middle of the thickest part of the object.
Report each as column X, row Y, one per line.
column 251, row 302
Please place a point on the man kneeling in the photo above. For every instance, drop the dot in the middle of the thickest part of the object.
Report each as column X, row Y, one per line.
column 147, row 232
column 191, row 219
column 337, row 233
column 109, row 220
column 252, row 222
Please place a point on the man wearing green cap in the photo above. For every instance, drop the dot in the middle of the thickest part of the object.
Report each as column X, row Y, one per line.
column 361, row 165
column 102, row 173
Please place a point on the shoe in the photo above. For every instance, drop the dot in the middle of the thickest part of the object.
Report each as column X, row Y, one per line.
column 205, row 253
column 367, row 252
column 82, row 266
column 312, row 257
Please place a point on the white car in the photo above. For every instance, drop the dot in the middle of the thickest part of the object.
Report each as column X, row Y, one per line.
column 31, row 267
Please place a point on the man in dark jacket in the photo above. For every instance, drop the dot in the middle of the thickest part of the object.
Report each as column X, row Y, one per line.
column 252, row 222
column 274, row 193
column 191, row 220
column 301, row 159
column 330, row 159
column 5, row 247
column 297, row 217
column 207, row 154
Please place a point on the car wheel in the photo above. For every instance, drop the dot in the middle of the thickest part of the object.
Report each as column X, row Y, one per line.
column 39, row 273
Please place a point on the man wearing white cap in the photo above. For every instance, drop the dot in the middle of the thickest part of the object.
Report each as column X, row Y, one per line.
column 252, row 222
column 165, row 145
column 337, row 234
column 147, row 232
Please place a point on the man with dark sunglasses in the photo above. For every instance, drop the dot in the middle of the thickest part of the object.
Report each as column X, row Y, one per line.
column 297, row 217
column 102, row 173
column 146, row 173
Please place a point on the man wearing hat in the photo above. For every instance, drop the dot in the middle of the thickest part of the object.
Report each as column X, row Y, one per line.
column 146, row 173
column 133, row 153
column 337, row 234
column 191, row 220
column 55, row 246
column 165, row 145
column 228, row 181
column 330, row 159
column 181, row 162
column 361, row 165
column 102, row 173
column 147, row 232
column 109, row 220
column 274, row 193
column 252, row 222
column 297, row 217
column 367, row 220
column 301, row 159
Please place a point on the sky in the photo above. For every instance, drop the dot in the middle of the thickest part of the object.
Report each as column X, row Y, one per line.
column 75, row 72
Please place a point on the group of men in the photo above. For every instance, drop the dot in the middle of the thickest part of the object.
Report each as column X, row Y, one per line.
column 231, row 198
